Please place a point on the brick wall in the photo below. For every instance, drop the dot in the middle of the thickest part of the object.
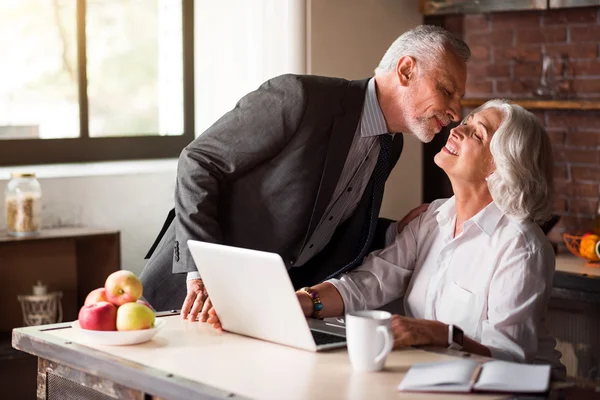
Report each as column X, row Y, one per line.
column 507, row 62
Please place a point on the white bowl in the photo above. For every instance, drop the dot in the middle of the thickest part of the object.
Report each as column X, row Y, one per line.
column 117, row 338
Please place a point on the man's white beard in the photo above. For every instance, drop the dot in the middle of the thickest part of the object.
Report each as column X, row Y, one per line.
column 420, row 127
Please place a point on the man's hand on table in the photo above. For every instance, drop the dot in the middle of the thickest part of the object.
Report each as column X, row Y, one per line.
column 213, row 319
column 196, row 303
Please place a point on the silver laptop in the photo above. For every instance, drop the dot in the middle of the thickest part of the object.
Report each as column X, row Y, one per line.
column 254, row 296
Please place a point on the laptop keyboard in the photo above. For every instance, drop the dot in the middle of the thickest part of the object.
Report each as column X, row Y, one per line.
column 322, row 338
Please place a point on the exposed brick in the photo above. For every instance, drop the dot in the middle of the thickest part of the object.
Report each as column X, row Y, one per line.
column 591, row 190
column 575, row 50
column 585, row 173
column 541, row 115
column 480, row 53
column 570, row 16
column 584, row 139
column 573, row 119
column 577, row 224
column 560, row 171
column 576, row 156
column 560, row 205
column 528, row 69
column 563, row 187
column 586, row 85
column 496, row 37
column 454, row 24
column 520, row 53
column 537, row 35
column 581, row 206
column 522, row 87
column 477, row 22
column 590, row 33
column 515, row 19
column 486, row 70
column 557, row 138
column 585, row 67
column 478, row 88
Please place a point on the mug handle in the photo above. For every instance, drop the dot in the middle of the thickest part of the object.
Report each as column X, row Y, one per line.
column 388, row 342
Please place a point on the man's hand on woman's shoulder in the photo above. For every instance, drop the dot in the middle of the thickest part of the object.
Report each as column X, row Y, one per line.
column 412, row 214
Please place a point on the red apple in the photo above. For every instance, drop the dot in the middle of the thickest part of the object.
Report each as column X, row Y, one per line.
column 96, row 296
column 123, row 287
column 100, row 316
column 146, row 304
column 134, row 316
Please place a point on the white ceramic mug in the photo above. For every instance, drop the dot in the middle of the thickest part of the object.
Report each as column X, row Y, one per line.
column 369, row 339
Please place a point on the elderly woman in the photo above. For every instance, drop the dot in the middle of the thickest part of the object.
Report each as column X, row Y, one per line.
column 476, row 262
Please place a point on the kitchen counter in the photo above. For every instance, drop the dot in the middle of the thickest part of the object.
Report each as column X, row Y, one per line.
column 575, row 282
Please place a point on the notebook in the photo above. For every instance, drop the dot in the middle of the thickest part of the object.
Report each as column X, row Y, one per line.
column 472, row 376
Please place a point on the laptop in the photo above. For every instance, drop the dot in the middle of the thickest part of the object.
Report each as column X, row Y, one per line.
column 254, row 296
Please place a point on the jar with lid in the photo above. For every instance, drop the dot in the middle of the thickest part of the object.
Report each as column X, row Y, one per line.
column 23, row 205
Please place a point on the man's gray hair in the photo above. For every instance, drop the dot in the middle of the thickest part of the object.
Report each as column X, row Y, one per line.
column 522, row 185
column 426, row 44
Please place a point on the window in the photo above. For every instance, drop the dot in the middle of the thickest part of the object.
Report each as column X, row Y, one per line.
column 92, row 80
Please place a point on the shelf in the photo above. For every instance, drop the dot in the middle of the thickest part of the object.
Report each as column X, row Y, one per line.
column 540, row 104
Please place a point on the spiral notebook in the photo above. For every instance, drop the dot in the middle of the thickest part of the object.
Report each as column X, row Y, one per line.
column 463, row 376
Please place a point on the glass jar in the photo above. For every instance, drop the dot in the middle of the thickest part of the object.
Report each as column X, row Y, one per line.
column 23, row 205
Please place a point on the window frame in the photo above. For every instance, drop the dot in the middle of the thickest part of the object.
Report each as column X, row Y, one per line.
column 87, row 149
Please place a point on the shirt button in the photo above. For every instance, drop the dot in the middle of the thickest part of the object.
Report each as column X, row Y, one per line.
column 331, row 218
column 311, row 246
column 349, row 189
column 292, row 261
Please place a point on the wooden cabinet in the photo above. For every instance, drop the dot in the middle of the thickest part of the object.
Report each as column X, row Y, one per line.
column 71, row 260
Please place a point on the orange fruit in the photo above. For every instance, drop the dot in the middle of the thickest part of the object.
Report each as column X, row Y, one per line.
column 587, row 246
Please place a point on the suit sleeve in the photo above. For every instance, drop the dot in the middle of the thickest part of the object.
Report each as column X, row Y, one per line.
column 257, row 129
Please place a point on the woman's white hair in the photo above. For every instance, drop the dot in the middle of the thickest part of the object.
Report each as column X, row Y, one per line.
column 522, row 184
column 426, row 44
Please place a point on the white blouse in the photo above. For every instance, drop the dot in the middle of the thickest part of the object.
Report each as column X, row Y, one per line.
column 493, row 280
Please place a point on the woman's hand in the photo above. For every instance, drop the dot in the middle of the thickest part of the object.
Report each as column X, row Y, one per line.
column 417, row 332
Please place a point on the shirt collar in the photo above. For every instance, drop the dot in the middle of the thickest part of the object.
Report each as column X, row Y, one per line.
column 372, row 121
column 486, row 219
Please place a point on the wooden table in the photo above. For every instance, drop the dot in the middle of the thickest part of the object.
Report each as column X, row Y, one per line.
column 193, row 361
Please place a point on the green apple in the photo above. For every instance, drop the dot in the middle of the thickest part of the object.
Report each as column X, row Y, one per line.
column 134, row 316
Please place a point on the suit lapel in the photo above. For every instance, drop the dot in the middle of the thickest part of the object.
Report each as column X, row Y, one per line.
column 342, row 134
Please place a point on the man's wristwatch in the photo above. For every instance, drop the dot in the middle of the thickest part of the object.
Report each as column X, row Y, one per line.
column 456, row 337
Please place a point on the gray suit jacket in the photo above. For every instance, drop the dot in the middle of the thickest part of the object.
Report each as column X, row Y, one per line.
column 263, row 174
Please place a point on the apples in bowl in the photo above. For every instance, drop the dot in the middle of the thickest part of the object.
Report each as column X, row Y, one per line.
column 114, row 314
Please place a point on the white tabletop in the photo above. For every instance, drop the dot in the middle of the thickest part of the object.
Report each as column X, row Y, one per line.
column 263, row 370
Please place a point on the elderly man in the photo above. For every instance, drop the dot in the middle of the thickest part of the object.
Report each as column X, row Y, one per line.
column 298, row 168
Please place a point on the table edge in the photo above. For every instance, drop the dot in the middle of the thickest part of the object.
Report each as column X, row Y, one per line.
column 34, row 340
